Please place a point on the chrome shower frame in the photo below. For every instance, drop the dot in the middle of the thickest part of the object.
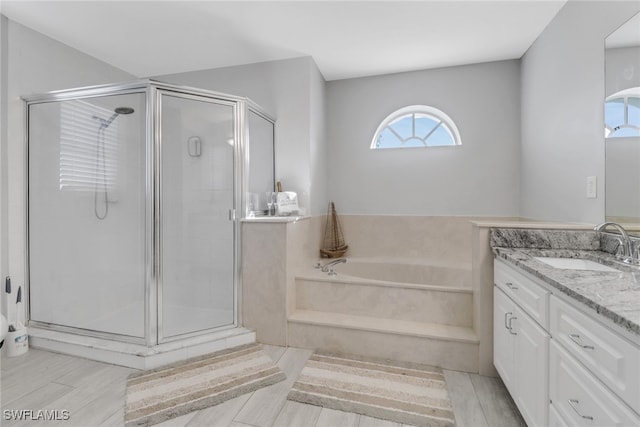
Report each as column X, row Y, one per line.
column 153, row 328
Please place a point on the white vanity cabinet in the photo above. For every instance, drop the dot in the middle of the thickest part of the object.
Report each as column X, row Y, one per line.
column 595, row 372
column 521, row 344
column 562, row 365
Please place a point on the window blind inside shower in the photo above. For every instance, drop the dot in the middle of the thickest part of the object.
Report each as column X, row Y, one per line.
column 88, row 151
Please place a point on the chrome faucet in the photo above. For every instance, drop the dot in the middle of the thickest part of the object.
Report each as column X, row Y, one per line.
column 327, row 267
column 628, row 255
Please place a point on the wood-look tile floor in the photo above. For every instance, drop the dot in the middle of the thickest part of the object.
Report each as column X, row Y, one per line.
column 93, row 393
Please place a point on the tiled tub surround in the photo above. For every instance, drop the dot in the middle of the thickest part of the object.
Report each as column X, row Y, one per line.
column 614, row 296
column 404, row 294
column 402, row 311
column 288, row 302
column 272, row 252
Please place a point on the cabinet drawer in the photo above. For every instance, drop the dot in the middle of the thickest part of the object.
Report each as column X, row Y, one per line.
column 611, row 358
column 580, row 399
column 532, row 297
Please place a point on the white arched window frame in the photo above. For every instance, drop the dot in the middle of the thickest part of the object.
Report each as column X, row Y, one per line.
column 416, row 126
column 622, row 114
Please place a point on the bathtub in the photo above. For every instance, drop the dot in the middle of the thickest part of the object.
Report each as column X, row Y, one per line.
column 391, row 289
column 408, row 273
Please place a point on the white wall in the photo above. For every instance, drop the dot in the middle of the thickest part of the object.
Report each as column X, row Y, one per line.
column 34, row 64
column 292, row 91
column 481, row 177
column 562, row 112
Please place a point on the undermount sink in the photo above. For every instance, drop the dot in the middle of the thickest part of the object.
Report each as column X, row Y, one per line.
column 575, row 264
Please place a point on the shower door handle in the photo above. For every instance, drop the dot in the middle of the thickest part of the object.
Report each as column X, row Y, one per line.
column 194, row 146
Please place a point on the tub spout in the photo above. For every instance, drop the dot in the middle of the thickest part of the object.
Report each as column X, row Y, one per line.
column 327, row 267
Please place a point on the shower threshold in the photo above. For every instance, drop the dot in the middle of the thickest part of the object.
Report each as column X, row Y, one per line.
column 137, row 356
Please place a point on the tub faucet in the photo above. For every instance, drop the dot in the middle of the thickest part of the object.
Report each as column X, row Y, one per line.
column 327, row 267
column 628, row 254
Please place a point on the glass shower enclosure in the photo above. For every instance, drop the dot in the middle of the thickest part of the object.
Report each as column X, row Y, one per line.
column 134, row 196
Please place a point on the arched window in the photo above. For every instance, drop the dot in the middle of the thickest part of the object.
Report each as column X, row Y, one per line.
column 416, row 126
column 622, row 114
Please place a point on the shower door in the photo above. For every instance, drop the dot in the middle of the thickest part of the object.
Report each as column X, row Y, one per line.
column 87, row 214
column 197, row 244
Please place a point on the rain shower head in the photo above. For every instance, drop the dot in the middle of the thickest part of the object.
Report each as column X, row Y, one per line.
column 104, row 123
column 123, row 110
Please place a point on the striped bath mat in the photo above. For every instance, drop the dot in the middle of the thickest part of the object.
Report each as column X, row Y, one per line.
column 404, row 393
column 171, row 391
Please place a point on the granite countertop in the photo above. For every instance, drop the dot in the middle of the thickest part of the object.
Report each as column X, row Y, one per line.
column 613, row 295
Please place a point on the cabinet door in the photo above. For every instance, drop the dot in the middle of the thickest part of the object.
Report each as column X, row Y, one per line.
column 503, row 346
column 531, row 356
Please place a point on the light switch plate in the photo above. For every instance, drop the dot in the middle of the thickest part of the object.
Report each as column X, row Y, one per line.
column 592, row 187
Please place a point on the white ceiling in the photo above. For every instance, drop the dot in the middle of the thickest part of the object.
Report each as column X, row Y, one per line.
column 345, row 38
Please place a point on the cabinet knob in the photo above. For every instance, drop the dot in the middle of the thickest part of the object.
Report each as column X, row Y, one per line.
column 511, row 286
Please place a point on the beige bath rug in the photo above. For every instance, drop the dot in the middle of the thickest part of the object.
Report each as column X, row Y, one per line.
column 404, row 393
column 171, row 391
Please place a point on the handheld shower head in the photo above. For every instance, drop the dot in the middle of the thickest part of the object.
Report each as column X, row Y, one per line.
column 101, row 185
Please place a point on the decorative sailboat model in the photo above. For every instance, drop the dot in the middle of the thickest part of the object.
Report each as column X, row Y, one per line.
column 333, row 245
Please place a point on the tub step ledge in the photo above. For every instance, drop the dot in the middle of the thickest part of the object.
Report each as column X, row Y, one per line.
column 449, row 347
column 376, row 324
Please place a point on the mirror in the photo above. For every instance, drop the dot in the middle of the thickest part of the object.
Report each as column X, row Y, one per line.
column 622, row 124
